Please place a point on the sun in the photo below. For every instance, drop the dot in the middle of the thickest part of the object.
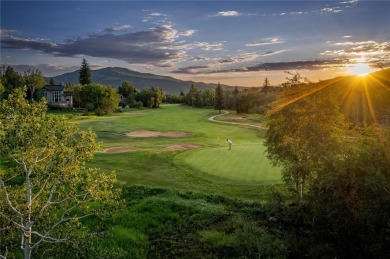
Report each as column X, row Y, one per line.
column 360, row 70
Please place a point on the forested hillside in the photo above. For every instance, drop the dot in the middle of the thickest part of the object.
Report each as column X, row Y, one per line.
column 362, row 99
column 115, row 76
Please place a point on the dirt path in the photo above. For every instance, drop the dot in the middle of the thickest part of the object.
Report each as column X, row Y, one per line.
column 212, row 118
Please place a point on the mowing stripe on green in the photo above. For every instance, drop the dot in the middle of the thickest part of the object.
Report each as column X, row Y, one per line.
column 245, row 162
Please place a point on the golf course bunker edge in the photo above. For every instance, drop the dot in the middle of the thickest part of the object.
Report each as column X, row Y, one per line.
column 150, row 134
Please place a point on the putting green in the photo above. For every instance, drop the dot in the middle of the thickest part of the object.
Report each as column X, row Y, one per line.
column 245, row 162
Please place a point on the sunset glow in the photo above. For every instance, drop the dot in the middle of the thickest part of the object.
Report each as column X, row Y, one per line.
column 360, row 70
column 216, row 41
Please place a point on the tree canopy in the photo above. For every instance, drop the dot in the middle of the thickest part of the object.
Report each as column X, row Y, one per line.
column 45, row 188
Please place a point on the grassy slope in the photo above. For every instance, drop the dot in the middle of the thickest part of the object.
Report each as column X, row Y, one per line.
column 180, row 169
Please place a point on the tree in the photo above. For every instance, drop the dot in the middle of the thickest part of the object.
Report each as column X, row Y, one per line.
column 266, row 86
column 349, row 200
column 295, row 80
column 52, row 82
column 46, row 189
column 235, row 96
column 11, row 80
column 151, row 97
column 190, row 96
column 85, row 73
column 128, row 93
column 302, row 134
column 34, row 80
column 218, row 98
column 99, row 98
column 2, row 89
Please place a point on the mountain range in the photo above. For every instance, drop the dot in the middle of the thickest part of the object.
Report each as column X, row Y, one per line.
column 114, row 76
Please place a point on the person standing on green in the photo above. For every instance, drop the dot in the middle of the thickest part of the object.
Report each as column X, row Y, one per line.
column 230, row 144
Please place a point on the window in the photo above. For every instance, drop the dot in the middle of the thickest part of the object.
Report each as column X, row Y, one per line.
column 56, row 96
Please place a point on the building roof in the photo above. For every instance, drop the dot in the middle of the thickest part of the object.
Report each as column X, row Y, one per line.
column 51, row 88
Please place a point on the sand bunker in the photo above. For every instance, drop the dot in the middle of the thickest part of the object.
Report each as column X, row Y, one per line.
column 148, row 134
column 119, row 149
column 168, row 148
column 180, row 147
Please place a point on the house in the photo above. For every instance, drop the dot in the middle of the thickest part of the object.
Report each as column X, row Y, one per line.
column 57, row 97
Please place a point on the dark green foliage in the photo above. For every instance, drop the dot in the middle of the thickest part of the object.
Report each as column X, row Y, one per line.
column 128, row 94
column 345, row 210
column 150, row 97
column 99, row 98
column 85, row 73
column 34, row 81
column 160, row 223
column 218, row 105
column 52, row 81
column 195, row 98
column 11, row 80
column 266, row 86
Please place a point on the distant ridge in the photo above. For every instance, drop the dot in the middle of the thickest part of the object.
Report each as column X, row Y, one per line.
column 114, row 76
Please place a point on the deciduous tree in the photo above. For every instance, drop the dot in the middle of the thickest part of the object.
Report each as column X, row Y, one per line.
column 34, row 80
column 302, row 134
column 46, row 188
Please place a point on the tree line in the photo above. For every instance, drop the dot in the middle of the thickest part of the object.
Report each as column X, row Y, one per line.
column 93, row 97
column 250, row 100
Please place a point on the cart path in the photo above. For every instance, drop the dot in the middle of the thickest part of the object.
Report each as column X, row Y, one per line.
column 212, row 118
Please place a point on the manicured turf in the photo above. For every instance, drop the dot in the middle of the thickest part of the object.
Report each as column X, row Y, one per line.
column 245, row 172
column 245, row 162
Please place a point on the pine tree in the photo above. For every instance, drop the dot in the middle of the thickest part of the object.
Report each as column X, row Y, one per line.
column 85, row 73
column 218, row 98
column 266, row 86
column 235, row 95
column 52, row 82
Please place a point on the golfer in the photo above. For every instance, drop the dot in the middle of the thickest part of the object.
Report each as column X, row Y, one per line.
column 230, row 144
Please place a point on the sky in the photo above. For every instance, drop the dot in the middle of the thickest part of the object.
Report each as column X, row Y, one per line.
column 231, row 42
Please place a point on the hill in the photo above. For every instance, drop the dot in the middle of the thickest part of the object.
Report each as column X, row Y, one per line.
column 115, row 76
column 362, row 98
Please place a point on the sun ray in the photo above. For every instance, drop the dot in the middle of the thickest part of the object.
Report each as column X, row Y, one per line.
column 303, row 95
column 369, row 102
column 379, row 82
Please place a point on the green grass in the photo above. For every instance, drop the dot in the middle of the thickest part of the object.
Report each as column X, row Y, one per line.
column 244, row 163
column 244, row 172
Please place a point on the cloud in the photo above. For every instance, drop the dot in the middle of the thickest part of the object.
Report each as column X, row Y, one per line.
column 268, row 41
column 49, row 70
column 362, row 48
column 347, row 36
column 248, row 57
column 331, row 10
column 228, row 13
column 143, row 47
column 293, row 65
column 349, row 2
column 207, row 46
column 213, row 63
column 187, row 33
column 157, row 14
column 191, row 70
column 117, row 28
